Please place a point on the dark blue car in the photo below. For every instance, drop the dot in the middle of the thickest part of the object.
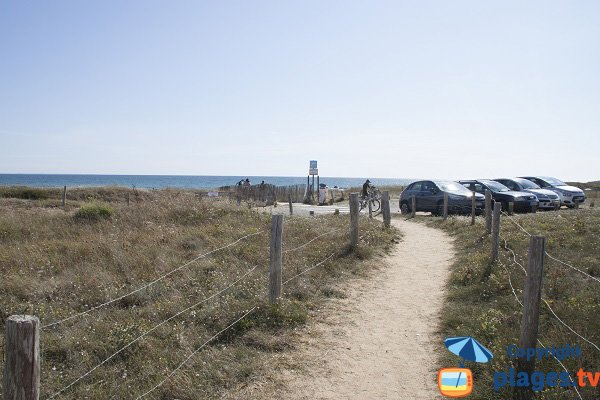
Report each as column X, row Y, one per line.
column 429, row 196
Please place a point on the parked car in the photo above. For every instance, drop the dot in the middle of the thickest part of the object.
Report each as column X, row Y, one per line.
column 568, row 194
column 429, row 196
column 548, row 199
column 522, row 201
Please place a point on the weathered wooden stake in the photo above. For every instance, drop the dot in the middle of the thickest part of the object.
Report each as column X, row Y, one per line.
column 370, row 209
column 473, row 198
column 290, row 203
column 511, row 208
column 64, row 196
column 488, row 211
column 385, row 208
column 413, row 204
column 531, row 311
column 445, row 211
column 496, row 230
column 22, row 358
column 354, row 210
column 276, row 259
column 576, row 201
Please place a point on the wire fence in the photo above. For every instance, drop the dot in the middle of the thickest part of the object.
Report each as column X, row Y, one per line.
column 149, row 284
column 226, row 288
column 514, row 221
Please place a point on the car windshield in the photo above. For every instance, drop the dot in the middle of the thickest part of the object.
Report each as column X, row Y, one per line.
column 454, row 187
column 526, row 184
column 496, row 186
column 553, row 181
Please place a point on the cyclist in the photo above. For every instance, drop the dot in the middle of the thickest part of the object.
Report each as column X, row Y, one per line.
column 365, row 189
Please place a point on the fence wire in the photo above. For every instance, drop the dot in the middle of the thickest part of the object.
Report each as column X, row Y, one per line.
column 150, row 331
column 513, row 220
column 194, row 353
column 147, row 285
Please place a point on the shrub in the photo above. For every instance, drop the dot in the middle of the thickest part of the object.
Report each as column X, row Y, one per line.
column 94, row 212
column 23, row 192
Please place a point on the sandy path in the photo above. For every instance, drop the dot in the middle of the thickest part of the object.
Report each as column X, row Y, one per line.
column 378, row 342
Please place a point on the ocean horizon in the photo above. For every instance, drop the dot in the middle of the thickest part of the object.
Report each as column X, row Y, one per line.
column 179, row 181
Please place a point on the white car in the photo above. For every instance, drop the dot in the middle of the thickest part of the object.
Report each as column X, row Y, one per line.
column 569, row 195
column 548, row 199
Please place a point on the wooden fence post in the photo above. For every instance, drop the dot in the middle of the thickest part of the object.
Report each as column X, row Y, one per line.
column 276, row 258
column 64, row 196
column 354, row 220
column 290, row 203
column 22, row 358
column 385, row 208
column 496, row 230
column 576, row 201
column 473, row 209
column 531, row 311
column 488, row 211
column 511, row 208
column 445, row 211
column 370, row 209
column 413, row 208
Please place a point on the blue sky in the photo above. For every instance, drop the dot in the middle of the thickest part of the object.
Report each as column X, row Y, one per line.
column 436, row 89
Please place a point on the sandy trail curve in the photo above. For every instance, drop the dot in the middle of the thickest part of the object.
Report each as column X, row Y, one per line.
column 378, row 343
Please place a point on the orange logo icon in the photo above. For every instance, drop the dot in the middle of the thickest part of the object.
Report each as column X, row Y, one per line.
column 455, row 382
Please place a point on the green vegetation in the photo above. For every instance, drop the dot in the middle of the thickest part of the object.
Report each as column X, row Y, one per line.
column 54, row 265
column 480, row 301
column 94, row 212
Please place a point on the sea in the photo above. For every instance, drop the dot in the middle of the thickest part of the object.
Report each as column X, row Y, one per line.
column 180, row 181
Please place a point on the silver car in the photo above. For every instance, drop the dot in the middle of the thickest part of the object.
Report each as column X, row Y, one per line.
column 569, row 195
column 548, row 199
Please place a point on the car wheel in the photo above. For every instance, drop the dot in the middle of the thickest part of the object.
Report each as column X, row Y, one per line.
column 404, row 208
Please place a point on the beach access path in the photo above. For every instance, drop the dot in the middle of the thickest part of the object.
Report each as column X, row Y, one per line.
column 378, row 342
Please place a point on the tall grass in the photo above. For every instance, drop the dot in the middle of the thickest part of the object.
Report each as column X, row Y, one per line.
column 55, row 264
column 480, row 301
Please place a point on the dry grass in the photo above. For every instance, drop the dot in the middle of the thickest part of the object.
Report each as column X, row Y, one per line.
column 55, row 264
column 480, row 301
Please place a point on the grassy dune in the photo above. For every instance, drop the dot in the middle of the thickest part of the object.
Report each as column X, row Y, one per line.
column 480, row 301
column 56, row 263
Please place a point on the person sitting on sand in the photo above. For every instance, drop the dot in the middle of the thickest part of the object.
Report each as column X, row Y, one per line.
column 247, row 182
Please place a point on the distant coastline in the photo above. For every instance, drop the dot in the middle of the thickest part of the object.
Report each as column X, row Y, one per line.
column 177, row 181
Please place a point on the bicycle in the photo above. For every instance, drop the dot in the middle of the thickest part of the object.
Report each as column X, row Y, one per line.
column 373, row 197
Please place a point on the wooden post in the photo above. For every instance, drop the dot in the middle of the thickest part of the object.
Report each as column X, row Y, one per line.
column 576, row 201
column 22, row 358
column 354, row 220
column 511, row 208
column 370, row 209
column 531, row 311
column 473, row 210
column 488, row 211
column 534, row 208
column 290, row 203
column 445, row 212
column 496, row 230
column 276, row 259
column 413, row 208
column 385, row 208
column 64, row 196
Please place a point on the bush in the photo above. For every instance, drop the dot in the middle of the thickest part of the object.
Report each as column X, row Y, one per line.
column 94, row 212
column 23, row 192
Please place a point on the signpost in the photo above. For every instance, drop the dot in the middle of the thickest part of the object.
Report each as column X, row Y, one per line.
column 313, row 171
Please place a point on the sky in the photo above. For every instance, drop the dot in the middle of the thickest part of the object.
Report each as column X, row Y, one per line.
column 389, row 89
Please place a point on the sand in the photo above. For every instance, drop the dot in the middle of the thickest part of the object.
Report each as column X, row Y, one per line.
column 378, row 343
